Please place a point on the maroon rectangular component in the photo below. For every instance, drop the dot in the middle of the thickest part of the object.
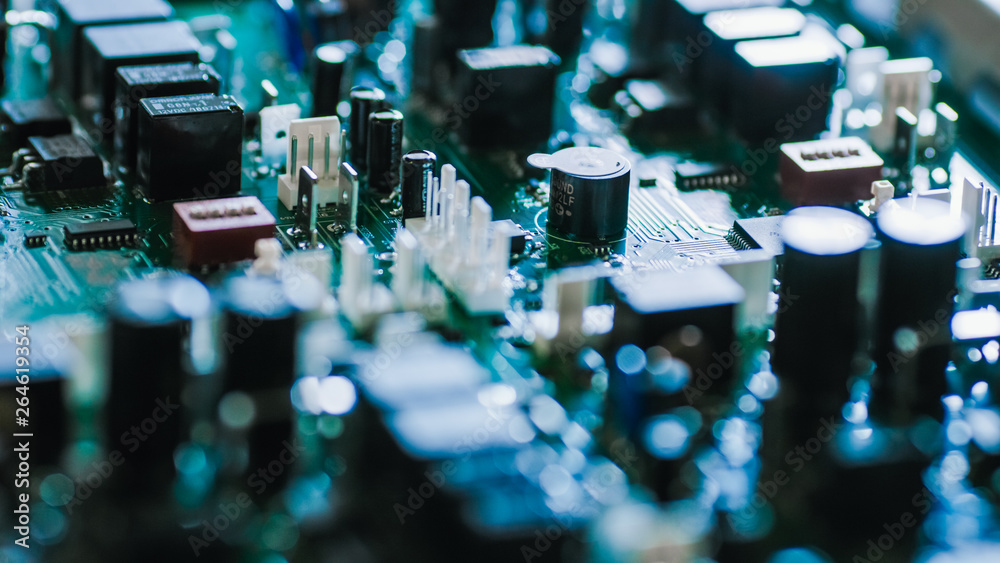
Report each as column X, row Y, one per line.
column 829, row 172
column 219, row 231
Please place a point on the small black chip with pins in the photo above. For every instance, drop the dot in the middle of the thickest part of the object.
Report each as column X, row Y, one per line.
column 63, row 162
column 109, row 235
column 35, row 239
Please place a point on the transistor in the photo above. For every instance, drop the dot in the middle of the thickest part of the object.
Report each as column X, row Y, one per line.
column 107, row 48
column 112, row 234
column 190, row 147
column 35, row 239
column 588, row 193
column 137, row 82
column 307, row 211
column 63, row 162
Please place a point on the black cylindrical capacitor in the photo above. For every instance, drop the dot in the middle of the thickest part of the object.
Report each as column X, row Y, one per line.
column 364, row 102
column 330, row 21
column 330, row 65
column 418, row 174
column 921, row 243
column 385, row 150
column 818, row 310
column 259, row 343
column 588, row 194
column 260, row 333
column 150, row 323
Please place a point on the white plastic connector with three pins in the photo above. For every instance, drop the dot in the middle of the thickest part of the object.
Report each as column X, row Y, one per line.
column 316, row 143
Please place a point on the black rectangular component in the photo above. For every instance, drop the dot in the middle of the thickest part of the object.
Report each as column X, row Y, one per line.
column 65, row 162
column 113, row 234
column 135, row 83
column 785, row 87
column 107, row 48
column 190, row 147
column 707, row 176
column 72, row 16
column 758, row 232
column 506, row 96
column 35, row 239
column 32, row 118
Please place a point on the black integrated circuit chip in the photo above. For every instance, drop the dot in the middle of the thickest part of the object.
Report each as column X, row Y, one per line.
column 113, row 234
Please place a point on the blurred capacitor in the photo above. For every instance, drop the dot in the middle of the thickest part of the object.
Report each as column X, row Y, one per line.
column 364, row 102
column 331, row 64
column 921, row 243
column 418, row 174
column 150, row 321
column 819, row 280
column 385, row 150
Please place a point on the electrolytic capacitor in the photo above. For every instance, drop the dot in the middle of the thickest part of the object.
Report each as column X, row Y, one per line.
column 819, row 280
column 330, row 65
column 385, row 150
column 418, row 173
column 150, row 321
column 364, row 101
column 588, row 194
column 921, row 243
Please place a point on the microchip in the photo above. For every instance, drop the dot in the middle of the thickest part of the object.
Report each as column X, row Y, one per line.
column 107, row 48
column 134, row 83
column 219, row 231
column 700, row 176
column 113, row 234
column 35, row 239
column 829, row 172
column 758, row 233
column 64, row 162
column 190, row 147
column 40, row 117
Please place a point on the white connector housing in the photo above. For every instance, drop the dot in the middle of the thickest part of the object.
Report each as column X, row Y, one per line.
column 315, row 143
column 275, row 122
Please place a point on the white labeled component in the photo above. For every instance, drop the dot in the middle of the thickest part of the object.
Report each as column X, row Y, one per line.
column 316, row 143
column 275, row 122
